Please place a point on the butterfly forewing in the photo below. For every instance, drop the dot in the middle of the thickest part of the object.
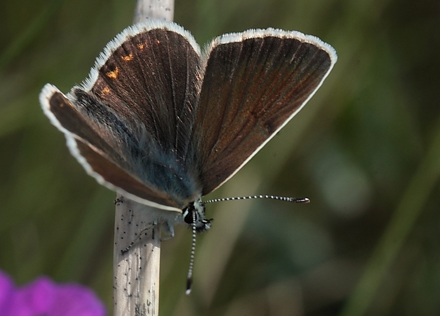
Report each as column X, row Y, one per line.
column 152, row 78
column 137, row 111
column 253, row 84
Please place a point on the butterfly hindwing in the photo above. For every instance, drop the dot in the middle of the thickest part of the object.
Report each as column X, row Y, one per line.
column 95, row 154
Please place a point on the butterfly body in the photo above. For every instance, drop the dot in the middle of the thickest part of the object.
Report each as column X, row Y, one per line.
column 164, row 124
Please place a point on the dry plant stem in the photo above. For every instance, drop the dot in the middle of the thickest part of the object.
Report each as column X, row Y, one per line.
column 136, row 272
column 153, row 9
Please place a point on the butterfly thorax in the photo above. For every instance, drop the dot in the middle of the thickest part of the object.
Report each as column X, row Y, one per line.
column 194, row 214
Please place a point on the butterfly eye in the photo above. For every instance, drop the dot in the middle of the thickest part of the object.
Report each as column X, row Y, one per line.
column 194, row 214
column 188, row 213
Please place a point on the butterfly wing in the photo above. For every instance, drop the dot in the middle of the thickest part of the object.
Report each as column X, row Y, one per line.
column 129, row 124
column 254, row 83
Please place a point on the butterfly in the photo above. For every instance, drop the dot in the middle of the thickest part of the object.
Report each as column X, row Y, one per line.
column 163, row 123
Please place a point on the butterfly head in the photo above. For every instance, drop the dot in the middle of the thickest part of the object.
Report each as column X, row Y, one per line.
column 194, row 214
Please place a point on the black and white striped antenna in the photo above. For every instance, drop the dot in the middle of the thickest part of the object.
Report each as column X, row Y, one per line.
column 272, row 197
column 194, row 228
column 193, row 252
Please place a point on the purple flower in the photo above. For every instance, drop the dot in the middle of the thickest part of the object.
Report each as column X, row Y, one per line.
column 44, row 297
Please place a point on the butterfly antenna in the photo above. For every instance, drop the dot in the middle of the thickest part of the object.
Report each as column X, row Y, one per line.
column 191, row 260
column 272, row 197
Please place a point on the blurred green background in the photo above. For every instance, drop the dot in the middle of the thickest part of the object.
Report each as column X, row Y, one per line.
column 365, row 150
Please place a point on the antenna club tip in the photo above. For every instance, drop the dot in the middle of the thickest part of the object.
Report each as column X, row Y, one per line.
column 302, row 200
column 188, row 285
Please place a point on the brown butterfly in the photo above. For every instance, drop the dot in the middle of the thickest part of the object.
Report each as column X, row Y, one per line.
column 164, row 124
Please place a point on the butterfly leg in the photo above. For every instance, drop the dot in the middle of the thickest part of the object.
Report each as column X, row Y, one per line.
column 143, row 232
column 169, row 231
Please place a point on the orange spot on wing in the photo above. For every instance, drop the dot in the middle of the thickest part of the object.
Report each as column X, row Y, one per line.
column 128, row 57
column 104, row 91
column 140, row 46
column 113, row 74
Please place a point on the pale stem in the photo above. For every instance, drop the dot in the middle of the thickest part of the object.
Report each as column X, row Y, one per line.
column 136, row 272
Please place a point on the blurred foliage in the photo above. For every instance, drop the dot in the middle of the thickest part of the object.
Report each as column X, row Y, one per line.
column 365, row 150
